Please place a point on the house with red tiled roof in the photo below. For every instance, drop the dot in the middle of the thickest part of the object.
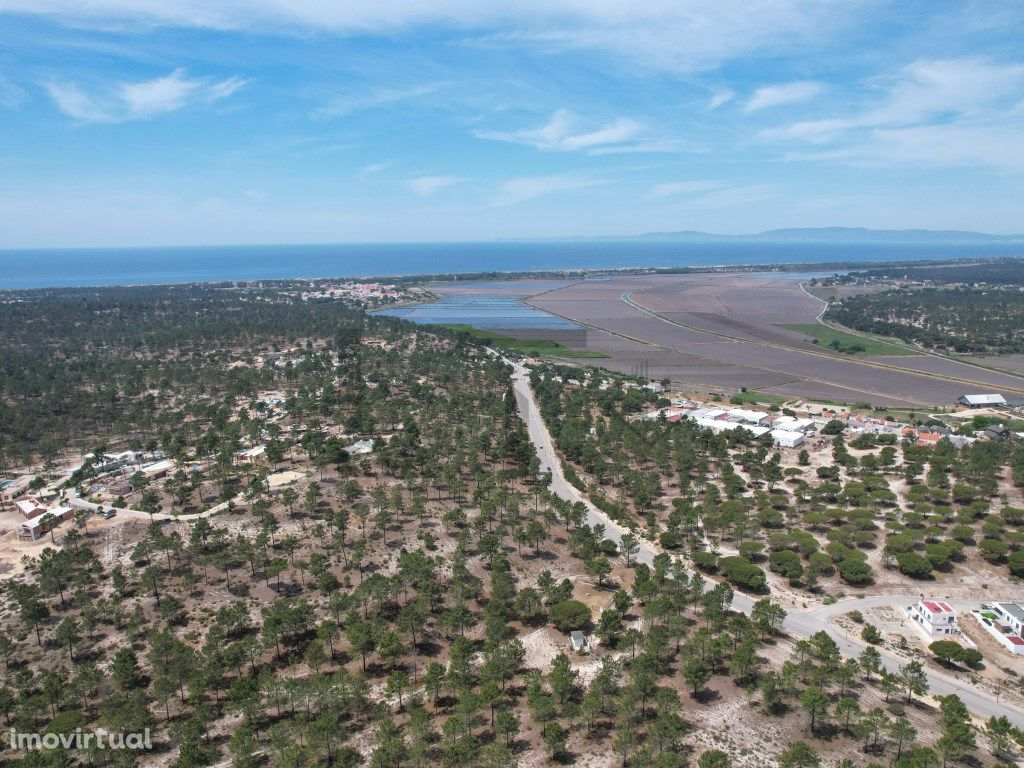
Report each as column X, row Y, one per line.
column 935, row 617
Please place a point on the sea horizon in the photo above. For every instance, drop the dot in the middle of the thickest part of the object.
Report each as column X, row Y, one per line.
column 148, row 265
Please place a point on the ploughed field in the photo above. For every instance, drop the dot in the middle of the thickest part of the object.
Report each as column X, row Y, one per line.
column 722, row 331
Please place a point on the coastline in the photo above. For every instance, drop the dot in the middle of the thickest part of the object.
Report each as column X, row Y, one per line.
column 457, row 263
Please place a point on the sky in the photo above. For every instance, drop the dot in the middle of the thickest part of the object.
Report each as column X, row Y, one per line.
column 174, row 122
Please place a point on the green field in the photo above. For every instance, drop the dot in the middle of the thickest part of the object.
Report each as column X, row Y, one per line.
column 848, row 343
column 528, row 347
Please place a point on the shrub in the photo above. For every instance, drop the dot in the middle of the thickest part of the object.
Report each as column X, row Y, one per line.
column 900, row 542
column 971, row 656
column 946, row 651
column 670, row 540
column 963, row 533
column 751, row 549
column 786, row 562
column 706, row 561
column 819, row 562
column 1012, row 515
column 854, row 571
column 914, row 565
column 569, row 615
column 1016, row 563
column 870, row 634
column 742, row 572
column 939, row 554
column 714, row 758
column 993, row 550
column 805, row 542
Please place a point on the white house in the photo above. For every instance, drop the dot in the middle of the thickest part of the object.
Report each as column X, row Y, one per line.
column 785, row 438
column 37, row 527
column 157, row 469
column 749, row 416
column 578, row 642
column 717, row 426
column 981, row 401
column 30, row 507
column 247, row 456
column 935, row 617
column 1005, row 622
column 1011, row 615
column 706, row 413
column 793, row 424
column 360, row 447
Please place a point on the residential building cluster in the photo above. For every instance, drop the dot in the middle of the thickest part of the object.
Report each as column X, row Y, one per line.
column 375, row 293
column 786, row 431
column 1004, row 622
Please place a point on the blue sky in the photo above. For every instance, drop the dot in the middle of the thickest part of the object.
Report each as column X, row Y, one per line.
column 162, row 122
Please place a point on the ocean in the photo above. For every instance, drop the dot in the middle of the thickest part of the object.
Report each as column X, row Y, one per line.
column 41, row 268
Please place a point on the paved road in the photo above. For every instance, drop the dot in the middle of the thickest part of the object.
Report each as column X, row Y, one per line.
column 801, row 624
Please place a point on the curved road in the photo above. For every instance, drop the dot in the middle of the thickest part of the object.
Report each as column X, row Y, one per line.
column 801, row 624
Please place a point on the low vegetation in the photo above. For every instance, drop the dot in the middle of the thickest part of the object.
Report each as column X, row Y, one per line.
column 409, row 605
column 526, row 347
column 848, row 343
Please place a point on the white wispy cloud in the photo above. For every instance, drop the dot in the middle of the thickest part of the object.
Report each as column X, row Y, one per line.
column 122, row 102
column 381, row 97
column 520, row 190
column 937, row 112
column 643, row 146
column 681, row 35
column 673, row 188
column 733, row 197
column 782, row 94
column 922, row 91
column 425, row 186
column 11, row 94
column 371, row 170
column 719, row 98
column 565, row 132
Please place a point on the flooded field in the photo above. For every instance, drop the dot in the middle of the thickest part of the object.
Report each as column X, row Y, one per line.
column 494, row 306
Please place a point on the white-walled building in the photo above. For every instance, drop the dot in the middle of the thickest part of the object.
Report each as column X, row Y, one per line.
column 981, row 401
column 793, row 424
column 935, row 617
column 717, row 425
column 785, row 438
column 749, row 416
column 30, row 507
column 1005, row 622
column 1011, row 615
column 37, row 527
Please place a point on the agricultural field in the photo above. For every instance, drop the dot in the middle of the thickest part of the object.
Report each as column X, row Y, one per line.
column 719, row 332
column 850, row 343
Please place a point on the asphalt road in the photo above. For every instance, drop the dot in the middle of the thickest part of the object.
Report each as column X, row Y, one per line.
column 801, row 624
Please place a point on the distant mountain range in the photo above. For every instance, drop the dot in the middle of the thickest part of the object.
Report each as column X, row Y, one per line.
column 826, row 235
